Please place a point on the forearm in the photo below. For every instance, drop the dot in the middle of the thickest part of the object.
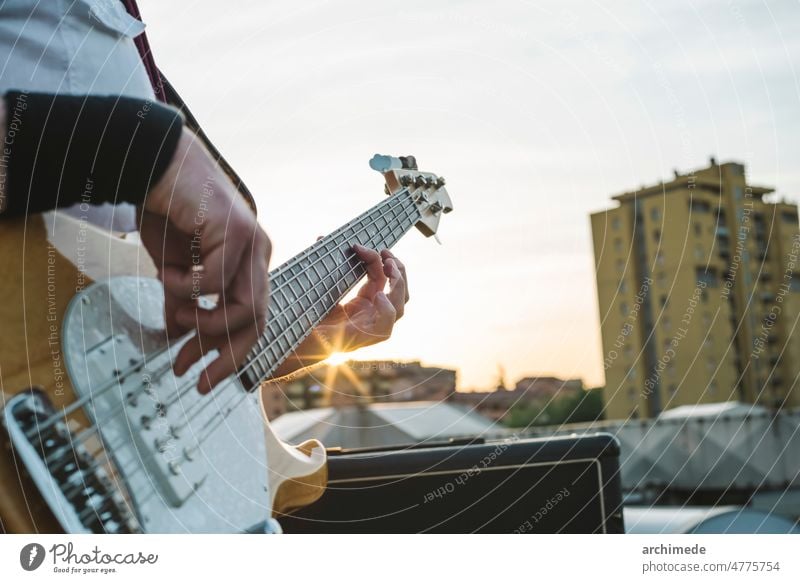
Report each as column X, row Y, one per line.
column 58, row 150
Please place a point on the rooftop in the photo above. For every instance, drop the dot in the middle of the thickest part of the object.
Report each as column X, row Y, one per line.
column 708, row 178
column 384, row 424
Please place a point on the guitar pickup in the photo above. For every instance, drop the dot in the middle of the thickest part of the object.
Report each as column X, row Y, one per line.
column 155, row 420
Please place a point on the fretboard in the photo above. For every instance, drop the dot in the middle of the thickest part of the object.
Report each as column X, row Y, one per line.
column 307, row 287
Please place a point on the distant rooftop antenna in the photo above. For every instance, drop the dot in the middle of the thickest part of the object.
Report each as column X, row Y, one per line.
column 501, row 377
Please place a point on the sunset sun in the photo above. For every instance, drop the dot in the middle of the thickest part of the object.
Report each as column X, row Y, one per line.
column 338, row 358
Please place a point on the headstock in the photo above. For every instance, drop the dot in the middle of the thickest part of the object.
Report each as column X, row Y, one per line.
column 427, row 190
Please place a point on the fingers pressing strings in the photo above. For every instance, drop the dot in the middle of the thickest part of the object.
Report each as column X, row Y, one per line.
column 370, row 316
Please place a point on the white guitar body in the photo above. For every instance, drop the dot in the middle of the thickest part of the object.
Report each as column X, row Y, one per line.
column 152, row 422
column 176, row 461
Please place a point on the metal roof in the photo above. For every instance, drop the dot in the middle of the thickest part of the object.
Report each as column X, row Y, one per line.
column 384, row 424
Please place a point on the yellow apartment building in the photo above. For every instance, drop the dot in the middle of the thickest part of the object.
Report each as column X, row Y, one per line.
column 699, row 294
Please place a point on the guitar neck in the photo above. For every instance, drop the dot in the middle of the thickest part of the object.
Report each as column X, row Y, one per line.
column 307, row 287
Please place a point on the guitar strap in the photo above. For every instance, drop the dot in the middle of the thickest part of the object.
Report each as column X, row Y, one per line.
column 166, row 93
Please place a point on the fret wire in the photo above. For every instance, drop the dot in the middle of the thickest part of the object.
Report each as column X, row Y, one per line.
column 259, row 365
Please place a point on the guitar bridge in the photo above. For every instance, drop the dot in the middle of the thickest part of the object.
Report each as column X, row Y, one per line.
column 79, row 490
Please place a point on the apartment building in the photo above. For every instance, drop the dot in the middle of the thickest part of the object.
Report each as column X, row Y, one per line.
column 698, row 294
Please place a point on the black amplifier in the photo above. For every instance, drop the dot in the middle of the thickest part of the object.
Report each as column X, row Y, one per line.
column 544, row 485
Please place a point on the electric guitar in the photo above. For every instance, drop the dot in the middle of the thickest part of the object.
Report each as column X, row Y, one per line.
column 98, row 433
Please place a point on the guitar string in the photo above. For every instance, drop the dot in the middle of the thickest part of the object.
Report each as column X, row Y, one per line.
column 111, row 383
column 226, row 409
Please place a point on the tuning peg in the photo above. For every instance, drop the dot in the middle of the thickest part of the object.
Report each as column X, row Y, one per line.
column 382, row 163
column 440, row 182
column 420, row 181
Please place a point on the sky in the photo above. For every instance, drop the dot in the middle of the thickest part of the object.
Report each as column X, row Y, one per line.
column 536, row 113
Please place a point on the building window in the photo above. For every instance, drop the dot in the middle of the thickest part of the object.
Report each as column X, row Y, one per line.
column 623, row 286
column 673, row 388
column 615, row 223
column 618, row 245
column 698, row 251
column 623, row 308
column 655, row 214
column 699, row 206
column 707, row 277
column 789, row 217
column 620, row 265
column 631, row 394
column 712, row 388
column 657, row 235
column 659, row 258
column 698, row 229
column 706, row 320
column 663, row 301
column 666, row 323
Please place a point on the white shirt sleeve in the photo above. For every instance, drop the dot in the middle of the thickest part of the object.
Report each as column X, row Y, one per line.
column 79, row 47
